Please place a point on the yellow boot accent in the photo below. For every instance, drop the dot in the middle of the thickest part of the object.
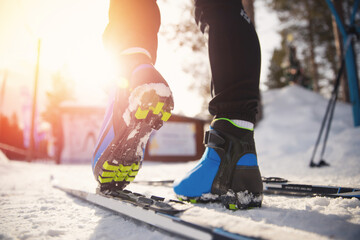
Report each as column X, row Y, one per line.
column 105, row 180
column 108, row 174
column 121, row 174
column 119, row 178
column 141, row 114
column 123, row 168
column 132, row 174
column 193, row 200
column 135, row 166
column 165, row 116
column 109, row 167
column 233, row 206
column 129, row 179
column 158, row 108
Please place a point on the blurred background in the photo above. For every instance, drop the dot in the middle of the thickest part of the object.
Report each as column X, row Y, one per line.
column 55, row 76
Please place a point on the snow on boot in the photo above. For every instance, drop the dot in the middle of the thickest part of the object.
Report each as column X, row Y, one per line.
column 227, row 172
column 142, row 102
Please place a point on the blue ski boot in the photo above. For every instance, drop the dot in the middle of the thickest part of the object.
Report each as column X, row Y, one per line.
column 227, row 172
column 143, row 101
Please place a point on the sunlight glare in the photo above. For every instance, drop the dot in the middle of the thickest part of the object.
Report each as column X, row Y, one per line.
column 71, row 36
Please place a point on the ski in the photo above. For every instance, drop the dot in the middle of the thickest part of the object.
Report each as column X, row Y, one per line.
column 281, row 186
column 156, row 211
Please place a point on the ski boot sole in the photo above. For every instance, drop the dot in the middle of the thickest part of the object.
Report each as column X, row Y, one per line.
column 121, row 161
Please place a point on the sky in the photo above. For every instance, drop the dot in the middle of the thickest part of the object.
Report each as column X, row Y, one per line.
column 71, row 43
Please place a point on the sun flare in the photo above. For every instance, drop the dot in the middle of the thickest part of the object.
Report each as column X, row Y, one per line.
column 71, row 45
column 71, row 39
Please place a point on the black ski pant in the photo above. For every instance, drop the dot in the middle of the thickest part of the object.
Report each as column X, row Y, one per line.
column 234, row 48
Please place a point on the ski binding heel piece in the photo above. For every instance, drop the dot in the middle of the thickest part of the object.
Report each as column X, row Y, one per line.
column 241, row 200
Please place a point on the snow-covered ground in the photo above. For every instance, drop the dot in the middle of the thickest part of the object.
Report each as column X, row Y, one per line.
column 31, row 209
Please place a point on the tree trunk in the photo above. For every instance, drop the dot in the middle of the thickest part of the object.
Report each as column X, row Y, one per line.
column 344, row 94
column 249, row 9
column 313, row 64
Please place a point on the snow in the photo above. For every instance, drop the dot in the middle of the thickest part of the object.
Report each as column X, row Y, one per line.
column 31, row 209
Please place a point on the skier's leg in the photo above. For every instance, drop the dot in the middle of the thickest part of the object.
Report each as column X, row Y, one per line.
column 143, row 100
column 132, row 24
column 229, row 165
